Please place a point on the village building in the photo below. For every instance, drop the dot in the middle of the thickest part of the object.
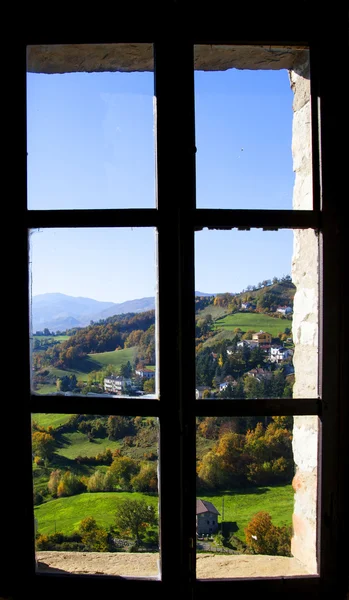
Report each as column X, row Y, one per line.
column 116, row 384
column 206, row 517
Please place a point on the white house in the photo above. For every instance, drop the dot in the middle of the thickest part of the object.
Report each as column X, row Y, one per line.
column 247, row 344
column 279, row 353
column 115, row 384
column 285, row 310
column 145, row 373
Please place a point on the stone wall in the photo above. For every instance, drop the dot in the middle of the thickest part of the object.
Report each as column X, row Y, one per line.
column 305, row 276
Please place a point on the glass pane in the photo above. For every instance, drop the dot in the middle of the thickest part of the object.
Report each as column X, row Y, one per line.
column 90, row 134
column 93, row 311
column 96, row 500
column 252, row 125
column 256, row 496
column 257, row 317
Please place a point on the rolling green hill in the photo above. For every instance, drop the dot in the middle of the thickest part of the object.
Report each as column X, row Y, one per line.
column 93, row 362
column 53, row 419
column 241, row 505
column 77, row 444
column 116, row 358
column 64, row 514
column 255, row 321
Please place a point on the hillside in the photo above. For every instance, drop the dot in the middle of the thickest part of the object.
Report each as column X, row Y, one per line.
column 270, row 296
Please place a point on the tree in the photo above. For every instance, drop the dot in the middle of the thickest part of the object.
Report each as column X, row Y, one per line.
column 53, row 482
column 93, row 536
column 262, row 537
column 149, row 386
column 43, row 444
column 122, row 469
column 134, row 517
column 126, row 370
column 146, row 480
column 69, row 485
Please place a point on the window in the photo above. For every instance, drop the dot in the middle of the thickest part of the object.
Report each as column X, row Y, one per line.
column 176, row 220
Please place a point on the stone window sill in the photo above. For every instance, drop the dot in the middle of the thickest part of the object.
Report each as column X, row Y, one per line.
column 209, row 566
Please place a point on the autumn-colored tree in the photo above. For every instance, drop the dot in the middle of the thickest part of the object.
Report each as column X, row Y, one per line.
column 122, row 469
column 134, row 517
column 93, row 536
column 55, row 477
column 43, row 444
column 69, row 485
column 146, row 480
column 149, row 386
column 96, row 483
column 248, row 334
column 211, row 472
column 134, row 338
column 208, row 428
column 262, row 537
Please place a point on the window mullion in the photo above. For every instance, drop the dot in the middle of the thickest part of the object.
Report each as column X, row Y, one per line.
column 175, row 197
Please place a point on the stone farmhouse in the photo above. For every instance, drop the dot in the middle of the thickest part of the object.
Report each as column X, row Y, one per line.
column 206, row 517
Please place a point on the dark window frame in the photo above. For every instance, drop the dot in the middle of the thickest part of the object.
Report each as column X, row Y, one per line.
column 176, row 153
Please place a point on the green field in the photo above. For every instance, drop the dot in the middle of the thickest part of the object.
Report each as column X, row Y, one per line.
column 53, row 419
column 254, row 321
column 64, row 514
column 115, row 358
column 93, row 362
column 52, row 338
column 77, row 444
column 241, row 505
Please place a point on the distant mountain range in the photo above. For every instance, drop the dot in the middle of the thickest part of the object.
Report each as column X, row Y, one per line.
column 58, row 312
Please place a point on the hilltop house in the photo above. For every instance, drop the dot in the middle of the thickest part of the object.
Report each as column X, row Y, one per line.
column 259, row 374
column 246, row 344
column 285, row 310
column 145, row 373
column 279, row 353
column 262, row 337
column 116, row 384
column 206, row 517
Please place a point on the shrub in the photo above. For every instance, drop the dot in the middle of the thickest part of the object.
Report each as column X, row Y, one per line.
column 96, row 538
column 262, row 537
column 38, row 498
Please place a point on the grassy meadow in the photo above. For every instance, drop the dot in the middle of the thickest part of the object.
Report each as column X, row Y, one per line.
column 254, row 321
column 241, row 505
column 93, row 362
column 64, row 514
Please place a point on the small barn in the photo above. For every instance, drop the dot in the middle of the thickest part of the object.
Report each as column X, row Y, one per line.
column 206, row 517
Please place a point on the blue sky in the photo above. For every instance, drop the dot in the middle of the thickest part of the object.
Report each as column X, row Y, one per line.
column 91, row 145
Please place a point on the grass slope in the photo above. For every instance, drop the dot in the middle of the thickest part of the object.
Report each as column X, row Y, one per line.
column 115, row 358
column 53, row 419
column 254, row 321
column 77, row 444
column 241, row 505
column 64, row 514
column 93, row 362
